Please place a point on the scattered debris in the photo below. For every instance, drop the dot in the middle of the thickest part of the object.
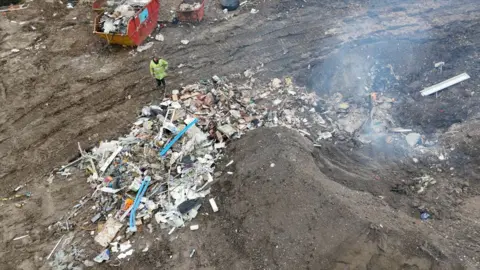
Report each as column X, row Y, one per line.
column 276, row 83
column 192, row 253
column 159, row 37
column 144, row 47
column 14, row 8
column 55, row 247
column 194, row 227
column 447, row 83
column 189, row 7
column 116, row 19
column 424, row 216
column 184, row 41
column 104, row 256
column 213, row 204
column 400, row 130
column 126, row 254
column 421, row 183
column 439, row 64
column 413, row 139
column 254, row 11
column 110, row 229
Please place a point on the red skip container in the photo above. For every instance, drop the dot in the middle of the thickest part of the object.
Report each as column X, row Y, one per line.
column 139, row 26
column 191, row 15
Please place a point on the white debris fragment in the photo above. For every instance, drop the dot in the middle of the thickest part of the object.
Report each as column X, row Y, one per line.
column 277, row 102
column 227, row 130
column 184, row 41
column 413, row 139
column 236, row 114
column 15, row 50
column 144, row 47
column 447, row 83
column 254, row 11
column 125, row 246
column 248, row 73
column 219, row 145
column 272, row 165
column 216, row 79
column 114, row 247
column 194, row 227
column 276, row 83
column 110, row 229
column 124, row 255
column 213, row 204
column 159, row 37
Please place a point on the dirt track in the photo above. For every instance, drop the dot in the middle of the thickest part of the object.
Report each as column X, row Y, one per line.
column 76, row 90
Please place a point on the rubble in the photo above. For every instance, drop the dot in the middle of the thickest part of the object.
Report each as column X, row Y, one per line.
column 161, row 172
column 189, row 7
column 144, row 47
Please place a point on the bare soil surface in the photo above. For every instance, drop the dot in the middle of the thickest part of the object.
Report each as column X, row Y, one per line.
column 321, row 207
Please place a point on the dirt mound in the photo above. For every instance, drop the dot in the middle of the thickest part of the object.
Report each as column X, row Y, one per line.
column 285, row 213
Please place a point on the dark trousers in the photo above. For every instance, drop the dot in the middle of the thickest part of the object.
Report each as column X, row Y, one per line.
column 160, row 83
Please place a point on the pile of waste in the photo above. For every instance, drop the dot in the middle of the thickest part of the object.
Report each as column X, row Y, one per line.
column 189, row 7
column 161, row 172
column 115, row 19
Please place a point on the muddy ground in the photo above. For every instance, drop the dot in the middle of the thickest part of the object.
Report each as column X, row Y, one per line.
column 64, row 86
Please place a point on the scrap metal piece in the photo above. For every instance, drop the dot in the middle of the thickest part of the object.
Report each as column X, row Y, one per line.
column 447, row 83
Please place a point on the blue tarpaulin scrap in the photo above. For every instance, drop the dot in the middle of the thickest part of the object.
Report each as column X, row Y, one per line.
column 143, row 15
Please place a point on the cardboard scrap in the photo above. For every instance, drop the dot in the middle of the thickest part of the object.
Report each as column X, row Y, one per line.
column 108, row 232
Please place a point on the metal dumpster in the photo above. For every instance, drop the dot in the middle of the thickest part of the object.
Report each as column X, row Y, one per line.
column 130, row 28
column 193, row 14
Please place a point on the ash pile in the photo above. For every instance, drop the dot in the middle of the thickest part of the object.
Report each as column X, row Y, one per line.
column 117, row 14
column 159, row 175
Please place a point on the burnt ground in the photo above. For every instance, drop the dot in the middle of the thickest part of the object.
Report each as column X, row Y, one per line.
column 65, row 86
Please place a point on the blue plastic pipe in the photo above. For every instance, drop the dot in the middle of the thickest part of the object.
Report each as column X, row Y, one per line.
column 136, row 203
column 169, row 145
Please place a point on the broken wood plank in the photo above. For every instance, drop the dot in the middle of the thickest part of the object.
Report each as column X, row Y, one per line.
column 447, row 83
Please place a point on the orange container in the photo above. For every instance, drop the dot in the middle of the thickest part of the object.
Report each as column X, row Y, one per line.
column 192, row 15
column 139, row 26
